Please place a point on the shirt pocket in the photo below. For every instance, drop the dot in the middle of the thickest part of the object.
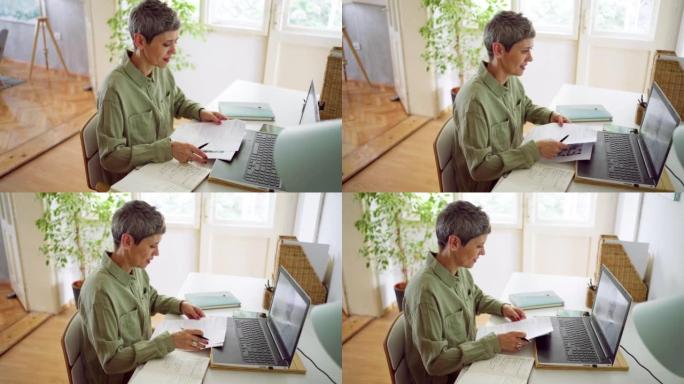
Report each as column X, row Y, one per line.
column 500, row 136
column 455, row 327
column 130, row 328
column 142, row 128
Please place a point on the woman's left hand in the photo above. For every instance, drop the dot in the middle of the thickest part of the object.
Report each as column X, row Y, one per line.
column 512, row 313
column 191, row 311
column 212, row 117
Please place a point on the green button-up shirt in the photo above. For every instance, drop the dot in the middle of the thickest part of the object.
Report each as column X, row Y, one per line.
column 135, row 117
column 116, row 308
column 440, row 310
column 489, row 120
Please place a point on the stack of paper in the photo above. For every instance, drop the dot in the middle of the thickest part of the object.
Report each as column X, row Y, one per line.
column 538, row 178
column 170, row 176
column 500, row 369
column 213, row 328
column 222, row 140
column 580, row 138
column 178, row 367
column 533, row 327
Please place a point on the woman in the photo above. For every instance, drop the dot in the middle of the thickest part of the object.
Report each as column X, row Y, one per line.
column 117, row 302
column 139, row 99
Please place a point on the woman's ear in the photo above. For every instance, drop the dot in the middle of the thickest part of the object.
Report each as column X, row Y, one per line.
column 498, row 49
column 454, row 242
column 138, row 40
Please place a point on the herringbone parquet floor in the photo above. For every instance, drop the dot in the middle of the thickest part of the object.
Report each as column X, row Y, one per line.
column 36, row 116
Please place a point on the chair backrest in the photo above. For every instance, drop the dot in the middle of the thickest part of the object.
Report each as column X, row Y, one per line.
column 3, row 41
column 91, row 156
column 444, row 152
column 394, row 351
column 72, row 340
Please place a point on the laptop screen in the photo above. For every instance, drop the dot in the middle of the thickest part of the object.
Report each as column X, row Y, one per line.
column 288, row 312
column 310, row 113
column 657, row 127
column 610, row 310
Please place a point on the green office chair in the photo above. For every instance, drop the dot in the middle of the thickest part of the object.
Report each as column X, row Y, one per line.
column 327, row 322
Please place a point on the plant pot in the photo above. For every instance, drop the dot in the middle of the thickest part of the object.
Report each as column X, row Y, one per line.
column 399, row 289
column 454, row 92
column 76, row 287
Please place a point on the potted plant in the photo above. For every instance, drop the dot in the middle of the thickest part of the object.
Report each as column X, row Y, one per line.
column 120, row 39
column 453, row 34
column 76, row 229
column 395, row 229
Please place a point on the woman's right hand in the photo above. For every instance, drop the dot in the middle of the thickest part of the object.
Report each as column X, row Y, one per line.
column 184, row 152
column 512, row 341
column 550, row 148
column 188, row 340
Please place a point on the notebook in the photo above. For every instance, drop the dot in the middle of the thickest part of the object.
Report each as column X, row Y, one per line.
column 532, row 300
column 247, row 111
column 176, row 367
column 170, row 176
column 539, row 177
column 584, row 113
column 213, row 300
column 499, row 369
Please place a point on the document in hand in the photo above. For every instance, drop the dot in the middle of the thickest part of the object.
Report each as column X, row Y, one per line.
column 533, row 327
column 577, row 133
column 176, row 367
column 170, row 176
column 500, row 369
column 223, row 140
column 213, row 328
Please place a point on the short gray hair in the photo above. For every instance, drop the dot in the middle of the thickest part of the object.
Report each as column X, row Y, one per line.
column 462, row 219
column 151, row 18
column 138, row 219
column 507, row 28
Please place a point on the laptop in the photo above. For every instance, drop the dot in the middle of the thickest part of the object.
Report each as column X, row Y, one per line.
column 270, row 342
column 590, row 341
column 634, row 159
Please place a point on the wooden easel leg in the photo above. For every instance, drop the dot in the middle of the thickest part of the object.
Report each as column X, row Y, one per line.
column 35, row 45
column 59, row 51
column 356, row 55
column 45, row 48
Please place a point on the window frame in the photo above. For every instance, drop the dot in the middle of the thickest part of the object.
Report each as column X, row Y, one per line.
column 269, row 224
column 564, row 222
column 649, row 37
column 171, row 221
column 303, row 31
column 574, row 35
column 263, row 31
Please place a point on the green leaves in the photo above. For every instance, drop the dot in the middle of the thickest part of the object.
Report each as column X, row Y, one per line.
column 76, row 226
column 397, row 228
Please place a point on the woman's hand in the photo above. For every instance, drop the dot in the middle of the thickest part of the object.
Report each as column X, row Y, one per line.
column 512, row 341
column 550, row 148
column 559, row 119
column 189, row 340
column 512, row 313
column 212, row 117
column 191, row 311
column 184, row 152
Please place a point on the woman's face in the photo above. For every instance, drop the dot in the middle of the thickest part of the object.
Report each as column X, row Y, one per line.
column 467, row 255
column 141, row 254
column 161, row 49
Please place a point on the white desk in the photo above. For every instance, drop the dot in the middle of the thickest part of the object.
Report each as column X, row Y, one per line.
column 622, row 105
column 285, row 103
column 250, row 292
column 573, row 291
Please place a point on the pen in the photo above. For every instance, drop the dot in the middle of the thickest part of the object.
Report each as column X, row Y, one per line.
column 203, row 145
column 563, row 139
column 201, row 337
column 214, row 151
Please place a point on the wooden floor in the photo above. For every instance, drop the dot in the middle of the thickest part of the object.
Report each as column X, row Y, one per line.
column 409, row 166
column 11, row 310
column 368, row 112
column 37, row 115
column 363, row 356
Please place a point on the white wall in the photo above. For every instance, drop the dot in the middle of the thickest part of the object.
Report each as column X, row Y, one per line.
column 627, row 216
column 503, row 256
column 178, row 256
column 680, row 41
column 330, row 232
column 662, row 225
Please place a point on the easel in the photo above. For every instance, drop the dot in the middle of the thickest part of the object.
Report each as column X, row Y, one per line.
column 41, row 23
column 356, row 56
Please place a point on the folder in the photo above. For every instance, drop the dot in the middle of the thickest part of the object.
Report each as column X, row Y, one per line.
column 532, row 300
column 585, row 113
column 247, row 111
column 213, row 300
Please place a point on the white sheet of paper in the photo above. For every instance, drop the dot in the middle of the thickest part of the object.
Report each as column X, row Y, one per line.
column 538, row 178
column 178, row 367
column 574, row 152
column 500, row 369
column 170, row 176
column 213, row 327
column 532, row 326
column 226, row 137
column 577, row 133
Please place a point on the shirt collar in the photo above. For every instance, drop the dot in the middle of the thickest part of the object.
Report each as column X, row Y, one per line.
column 113, row 269
column 133, row 72
column 490, row 81
column 440, row 271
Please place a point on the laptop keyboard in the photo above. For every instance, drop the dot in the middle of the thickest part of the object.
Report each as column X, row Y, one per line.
column 576, row 341
column 622, row 161
column 261, row 168
column 253, row 344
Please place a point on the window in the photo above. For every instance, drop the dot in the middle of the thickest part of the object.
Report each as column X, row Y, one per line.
column 177, row 208
column 625, row 18
column 313, row 15
column 502, row 208
column 239, row 14
column 243, row 209
column 552, row 16
column 577, row 209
